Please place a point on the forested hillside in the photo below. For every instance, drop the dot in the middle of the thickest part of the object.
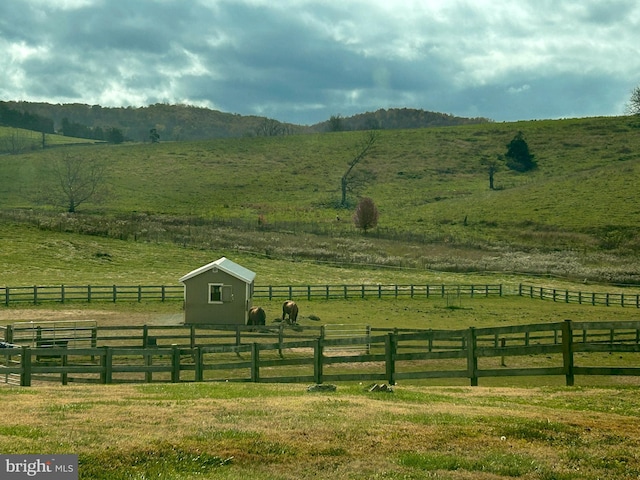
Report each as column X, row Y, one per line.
column 183, row 122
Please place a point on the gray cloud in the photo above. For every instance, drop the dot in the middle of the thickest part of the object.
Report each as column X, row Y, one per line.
column 302, row 61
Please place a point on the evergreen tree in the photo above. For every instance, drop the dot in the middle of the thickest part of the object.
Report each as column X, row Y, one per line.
column 518, row 157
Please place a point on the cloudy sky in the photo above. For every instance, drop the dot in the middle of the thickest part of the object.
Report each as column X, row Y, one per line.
column 302, row 61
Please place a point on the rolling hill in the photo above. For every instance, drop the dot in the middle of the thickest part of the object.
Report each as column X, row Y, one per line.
column 186, row 122
column 576, row 215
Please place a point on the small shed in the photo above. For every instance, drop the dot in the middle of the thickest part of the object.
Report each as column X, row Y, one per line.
column 219, row 293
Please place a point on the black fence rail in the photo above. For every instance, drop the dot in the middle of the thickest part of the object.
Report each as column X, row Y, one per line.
column 36, row 294
column 90, row 293
column 374, row 291
column 566, row 349
column 568, row 296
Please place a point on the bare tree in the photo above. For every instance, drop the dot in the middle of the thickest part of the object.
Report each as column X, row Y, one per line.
column 366, row 215
column 78, row 180
column 271, row 128
column 633, row 107
column 493, row 165
column 350, row 180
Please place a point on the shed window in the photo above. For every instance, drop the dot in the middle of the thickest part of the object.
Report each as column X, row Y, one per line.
column 219, row 293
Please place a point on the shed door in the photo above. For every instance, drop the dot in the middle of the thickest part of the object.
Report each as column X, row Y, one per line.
column 227, row 293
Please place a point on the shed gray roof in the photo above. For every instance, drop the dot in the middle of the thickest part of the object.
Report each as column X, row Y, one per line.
column 226, row 266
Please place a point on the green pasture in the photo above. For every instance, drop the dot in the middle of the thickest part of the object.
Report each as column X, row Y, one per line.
column 21, row 140
column 174, row 206
column 426, row 180
column 576, row 216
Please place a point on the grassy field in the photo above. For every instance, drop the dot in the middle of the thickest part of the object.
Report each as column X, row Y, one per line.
column 575, row 216
column 237, row 431
column 172, row 207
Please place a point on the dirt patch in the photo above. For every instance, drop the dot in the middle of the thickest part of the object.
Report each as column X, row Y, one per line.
column 103, row 317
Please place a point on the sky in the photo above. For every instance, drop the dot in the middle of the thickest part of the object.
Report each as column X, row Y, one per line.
column 302, row 61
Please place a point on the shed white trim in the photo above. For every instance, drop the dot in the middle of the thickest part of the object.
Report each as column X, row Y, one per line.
column 225, row 265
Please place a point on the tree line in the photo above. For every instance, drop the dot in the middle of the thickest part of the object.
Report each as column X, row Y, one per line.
column 10, row 117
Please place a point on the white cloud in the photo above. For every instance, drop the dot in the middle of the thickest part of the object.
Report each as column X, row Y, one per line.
column 303, row 60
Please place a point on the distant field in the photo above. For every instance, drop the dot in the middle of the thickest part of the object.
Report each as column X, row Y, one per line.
column 17, row 140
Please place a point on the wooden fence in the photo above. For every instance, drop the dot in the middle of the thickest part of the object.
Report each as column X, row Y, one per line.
column 36, row 294
column 557, row 349
column 567, row 296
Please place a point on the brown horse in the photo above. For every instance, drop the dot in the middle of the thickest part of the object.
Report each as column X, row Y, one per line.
column 291, row 309
column 257, row 316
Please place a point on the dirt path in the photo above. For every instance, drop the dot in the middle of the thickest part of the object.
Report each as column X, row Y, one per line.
column 103, row 317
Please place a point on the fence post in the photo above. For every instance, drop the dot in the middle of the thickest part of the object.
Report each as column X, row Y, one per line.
column 62, row 294
column 148, row 361
column 390, row 354
column 64, row 376
column 472, row 359
column 25, row 360
column 192, row 336
column 567, row 351
column 198, row 357
column 108, row 365
column 115, row 294
column 175, row 370
column 8, row 336
column 255, row 362
column 317, row 361
column 280, row 339
column 35, row 294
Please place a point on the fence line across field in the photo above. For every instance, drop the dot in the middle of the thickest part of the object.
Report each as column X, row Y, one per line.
column 113, row 293
column 566, row 349
column 37, row 294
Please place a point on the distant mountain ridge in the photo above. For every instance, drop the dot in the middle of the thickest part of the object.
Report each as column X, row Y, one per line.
column 185, row 122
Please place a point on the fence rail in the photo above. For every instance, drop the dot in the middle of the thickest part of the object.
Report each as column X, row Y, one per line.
column 36, row 294
column 557, row 349
column 568, row 296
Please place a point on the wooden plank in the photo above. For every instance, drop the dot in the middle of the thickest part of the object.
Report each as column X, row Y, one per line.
column 432, row 374
column 607, row 371
column 453, row 354
column 518, row 351
column 607, row 348
column 521, row 372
